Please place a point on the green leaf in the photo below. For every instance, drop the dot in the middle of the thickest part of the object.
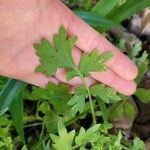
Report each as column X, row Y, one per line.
column 57, row 95
column 103, row 109
column 3, row 81
column 8, row 143
column 58, row 55
column 96, row 21
column 103, row 7
column 126, row 10
column 51, row 119
column 107, row 94
column 87, row 136
column 136, row 49
column 4, row 121
column 121, row 44
column 93, row 62
column 2, row 144
column 71, row 74
column 78, row 100
column 122, row 109
column 138, row 144
column 105, row 127
column 117, row 142
column 143, row 95
column 142, row 64
column 16, row 111
column 44, row 107
column 64, row 140
column 24, row 148
column 9, row 92
column 90, row 62
column 88, row 4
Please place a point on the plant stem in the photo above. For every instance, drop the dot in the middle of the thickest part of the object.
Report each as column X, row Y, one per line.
column 103, row 109
column 89, row 94
column 91, row 102
column 33, row 124
column 125, row 148
column 42, row 131
column 75, row 147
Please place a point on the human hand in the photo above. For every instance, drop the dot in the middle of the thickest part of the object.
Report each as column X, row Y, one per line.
column 25, row 22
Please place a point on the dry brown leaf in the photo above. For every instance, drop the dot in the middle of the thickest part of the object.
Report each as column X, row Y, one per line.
column 145, row 22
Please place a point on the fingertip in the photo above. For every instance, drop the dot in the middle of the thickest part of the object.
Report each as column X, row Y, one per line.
column 123, row 66
column 130, row 90
column 135, row 72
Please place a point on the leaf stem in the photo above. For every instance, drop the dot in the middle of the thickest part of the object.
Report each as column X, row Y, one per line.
column 89, row 94
column 42, row 131
column 76, row 146
column 91, row 102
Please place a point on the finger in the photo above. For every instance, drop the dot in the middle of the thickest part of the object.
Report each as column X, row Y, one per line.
column 123, row 86
column 109, row 78
column 89, row 39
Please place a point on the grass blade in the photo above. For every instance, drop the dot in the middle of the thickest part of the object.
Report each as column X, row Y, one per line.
column 96, row 21
column 103, row 7
column 10, row 90
column 127, row 9
column 16, row 111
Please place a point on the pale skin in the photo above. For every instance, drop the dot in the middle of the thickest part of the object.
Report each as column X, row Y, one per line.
column 25, row 22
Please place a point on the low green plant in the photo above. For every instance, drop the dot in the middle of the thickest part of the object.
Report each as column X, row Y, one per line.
column 57, row 116
column 58, row 55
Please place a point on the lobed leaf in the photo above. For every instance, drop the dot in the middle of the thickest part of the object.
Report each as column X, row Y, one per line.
column 64, row 140
column 107, row 94
column 56, row 55
column 78, row 100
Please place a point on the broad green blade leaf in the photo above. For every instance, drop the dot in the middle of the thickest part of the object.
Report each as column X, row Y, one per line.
column 97, row 21
column 9, row 92
column 16, row 110
column 3, row 81
column 103, row 7
column 143, row 95
column 126, row 10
